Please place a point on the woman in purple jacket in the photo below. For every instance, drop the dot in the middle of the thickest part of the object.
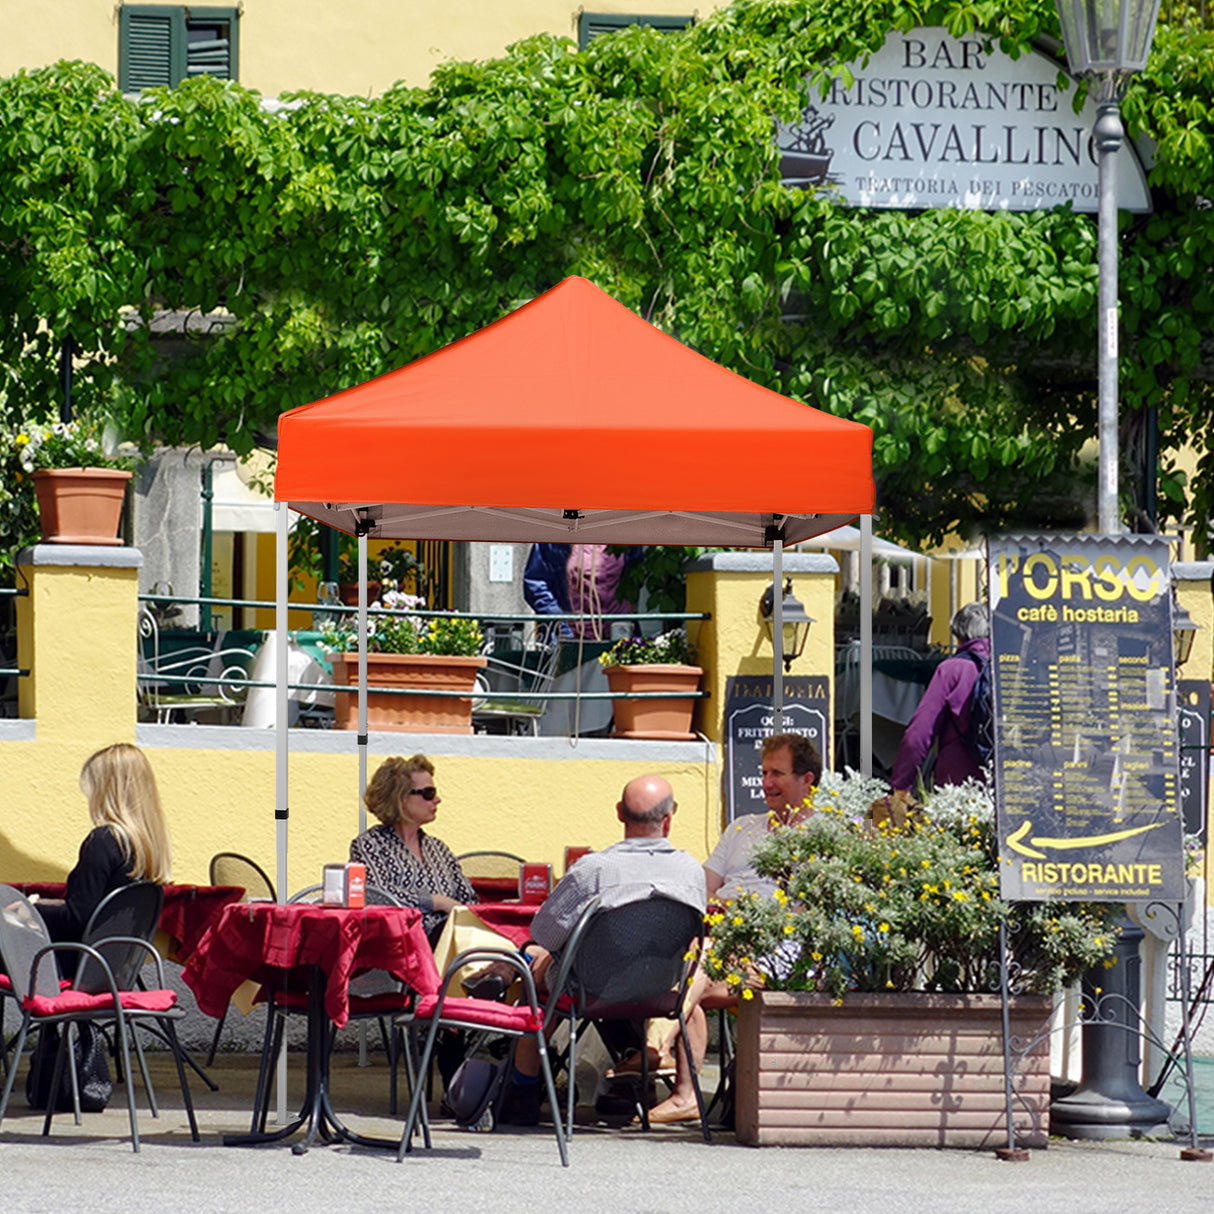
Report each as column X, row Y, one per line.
column 943, row 715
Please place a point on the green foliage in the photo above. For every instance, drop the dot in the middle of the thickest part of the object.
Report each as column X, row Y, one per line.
column 869, row 908
column 331, row 239
column 659, row 573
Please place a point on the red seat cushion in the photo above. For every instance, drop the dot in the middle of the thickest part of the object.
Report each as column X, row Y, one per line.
column 69, row 1002
column 483, row 1013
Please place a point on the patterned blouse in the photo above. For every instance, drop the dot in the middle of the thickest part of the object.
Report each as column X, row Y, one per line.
column 393, row 867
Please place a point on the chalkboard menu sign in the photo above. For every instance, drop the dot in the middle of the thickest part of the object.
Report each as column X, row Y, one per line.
column 1194, row 708
column 1086, row 738
column 748, row 720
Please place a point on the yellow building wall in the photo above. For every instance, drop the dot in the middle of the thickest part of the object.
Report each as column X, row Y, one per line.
column 533, row 796
column 356, row 48
column 734, row 641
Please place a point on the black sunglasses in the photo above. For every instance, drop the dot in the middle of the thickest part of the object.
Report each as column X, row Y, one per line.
column 426, row 794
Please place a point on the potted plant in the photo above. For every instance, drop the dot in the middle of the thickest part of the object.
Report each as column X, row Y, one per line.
column 436, row 653
column 649, row 665
column 65, row 472
column 868, row 1009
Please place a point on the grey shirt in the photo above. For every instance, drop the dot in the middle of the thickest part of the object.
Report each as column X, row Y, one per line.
column 628, row 871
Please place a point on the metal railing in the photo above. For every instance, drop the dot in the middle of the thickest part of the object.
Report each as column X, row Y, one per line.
column 325, row 612
column 12, row 593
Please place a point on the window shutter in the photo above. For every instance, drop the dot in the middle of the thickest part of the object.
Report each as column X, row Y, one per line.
column 147, row 45
column 591, row 25
column 166, row 44
column 209, row 57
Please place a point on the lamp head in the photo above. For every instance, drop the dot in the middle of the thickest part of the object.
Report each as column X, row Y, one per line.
column 794, row 621
column 1107, row 37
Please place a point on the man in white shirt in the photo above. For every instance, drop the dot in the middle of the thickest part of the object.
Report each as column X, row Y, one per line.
column 643, row 864
column 791, row 770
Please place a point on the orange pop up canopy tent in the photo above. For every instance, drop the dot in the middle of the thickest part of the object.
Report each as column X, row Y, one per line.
column 569, row 420
column 572, row 419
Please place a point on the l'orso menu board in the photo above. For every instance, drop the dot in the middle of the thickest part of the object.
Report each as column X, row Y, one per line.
column 1086, row 772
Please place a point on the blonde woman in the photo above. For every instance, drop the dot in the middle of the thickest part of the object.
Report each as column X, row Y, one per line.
column 400, row 856
column 129, row 840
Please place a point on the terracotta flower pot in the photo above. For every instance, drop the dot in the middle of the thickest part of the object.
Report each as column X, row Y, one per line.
column 348, row 592
column 889, row 1070
column 656, row 718
column 418, row 714
column 80, row 505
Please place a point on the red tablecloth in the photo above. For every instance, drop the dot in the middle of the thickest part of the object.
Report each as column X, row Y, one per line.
column 493, row 888
column 509, row 919
column 189, row 910
column 263, row 941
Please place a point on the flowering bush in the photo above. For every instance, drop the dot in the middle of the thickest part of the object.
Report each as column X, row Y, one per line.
column 62, row 445
column 884, row 908
column 451, row 636
column 671, row 648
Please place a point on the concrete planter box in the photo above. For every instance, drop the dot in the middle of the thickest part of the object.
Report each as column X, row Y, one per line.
column 896, row 1070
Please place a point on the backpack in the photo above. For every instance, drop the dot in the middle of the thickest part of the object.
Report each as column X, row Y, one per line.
column 474, row 1092
column 980, row 736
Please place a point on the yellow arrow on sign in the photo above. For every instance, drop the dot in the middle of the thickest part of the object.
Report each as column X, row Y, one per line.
column 1016, row 840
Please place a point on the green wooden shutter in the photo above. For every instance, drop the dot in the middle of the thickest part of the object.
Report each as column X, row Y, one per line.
column 591, row 25
column 163, row 45
column 146, row 39
column 209, row 51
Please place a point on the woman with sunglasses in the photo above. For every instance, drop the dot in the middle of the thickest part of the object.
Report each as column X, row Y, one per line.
column 399, row 855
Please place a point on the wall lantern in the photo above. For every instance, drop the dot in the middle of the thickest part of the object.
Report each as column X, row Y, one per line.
column 1184, row 633
column 795, row 622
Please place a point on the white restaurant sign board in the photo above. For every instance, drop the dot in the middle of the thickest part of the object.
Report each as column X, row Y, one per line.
column 938, row 121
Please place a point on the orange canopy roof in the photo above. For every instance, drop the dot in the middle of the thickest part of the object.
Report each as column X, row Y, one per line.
column 573, row 419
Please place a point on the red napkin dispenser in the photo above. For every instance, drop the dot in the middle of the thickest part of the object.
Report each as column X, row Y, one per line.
column 345, row 885
column 534, row 882
column 574, row 854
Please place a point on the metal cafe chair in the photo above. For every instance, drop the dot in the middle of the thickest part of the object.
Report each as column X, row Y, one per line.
column 231, row 868
column 631, row 962
column 493, row 874
column 104, row 991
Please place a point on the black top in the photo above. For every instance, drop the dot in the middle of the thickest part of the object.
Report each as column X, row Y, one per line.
column 101, row 868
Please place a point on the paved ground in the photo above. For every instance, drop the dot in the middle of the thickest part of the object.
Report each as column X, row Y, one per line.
column 614, row 1170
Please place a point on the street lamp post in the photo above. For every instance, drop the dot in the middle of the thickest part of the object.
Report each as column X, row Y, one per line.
column 1107, row 41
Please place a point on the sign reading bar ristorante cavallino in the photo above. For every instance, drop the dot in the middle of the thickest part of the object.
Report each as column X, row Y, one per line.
column 1086, row 781
column 936, row 121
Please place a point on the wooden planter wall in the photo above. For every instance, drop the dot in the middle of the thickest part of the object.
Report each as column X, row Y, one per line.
column 898, row 1070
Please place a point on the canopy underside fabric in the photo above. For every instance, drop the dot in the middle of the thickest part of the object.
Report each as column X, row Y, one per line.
column 399, row 521
column 573, row 419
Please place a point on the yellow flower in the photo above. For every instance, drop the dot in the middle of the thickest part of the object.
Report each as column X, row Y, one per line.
column 22, row 440
column 789, row 929
column 747, row 993
column 883, row 927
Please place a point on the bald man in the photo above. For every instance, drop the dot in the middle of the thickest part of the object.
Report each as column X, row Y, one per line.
column 644, row 863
